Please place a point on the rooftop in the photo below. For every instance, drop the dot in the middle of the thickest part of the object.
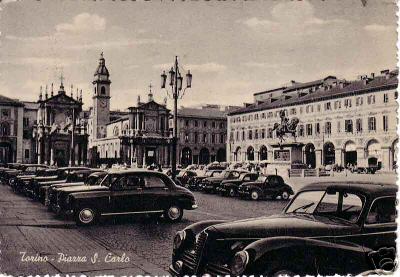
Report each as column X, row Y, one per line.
column 324, row 93
column 10, row 102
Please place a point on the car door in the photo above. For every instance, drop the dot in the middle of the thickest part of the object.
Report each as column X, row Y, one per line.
column 380, row 224
column 126, row 195
column 270, row 186
column 156, row 192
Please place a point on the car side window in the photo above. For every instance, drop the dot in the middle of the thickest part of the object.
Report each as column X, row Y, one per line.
column 273, row 181
column 383, row 210
column 253, row 177
column 152, row 181
column 246, row 178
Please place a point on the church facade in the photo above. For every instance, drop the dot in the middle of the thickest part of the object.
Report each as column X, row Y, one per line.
column 138, row 136
column 60, row 133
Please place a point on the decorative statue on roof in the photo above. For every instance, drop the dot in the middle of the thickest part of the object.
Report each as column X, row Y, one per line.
column 285, row 126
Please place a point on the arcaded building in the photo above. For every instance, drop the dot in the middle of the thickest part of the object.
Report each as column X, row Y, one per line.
column 341, row 122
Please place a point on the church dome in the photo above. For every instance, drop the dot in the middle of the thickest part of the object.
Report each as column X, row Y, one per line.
column 101, row 68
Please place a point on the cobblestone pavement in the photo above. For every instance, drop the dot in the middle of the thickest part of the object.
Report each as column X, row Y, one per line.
column 27, row 226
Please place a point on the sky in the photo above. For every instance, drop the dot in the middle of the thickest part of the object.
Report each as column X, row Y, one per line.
column 232, row 48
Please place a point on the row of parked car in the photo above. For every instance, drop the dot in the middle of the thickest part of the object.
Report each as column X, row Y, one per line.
column 87, row 194
column 236, row 182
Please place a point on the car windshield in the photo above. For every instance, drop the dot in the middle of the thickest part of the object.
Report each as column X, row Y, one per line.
column 108, row 180
column 209, row 173
column 333, row 204
column 225, row 174
column 261, row 178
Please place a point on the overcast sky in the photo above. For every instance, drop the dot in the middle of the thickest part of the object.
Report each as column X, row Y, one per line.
column 233, row 49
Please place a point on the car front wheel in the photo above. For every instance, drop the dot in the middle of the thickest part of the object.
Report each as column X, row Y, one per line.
column 232, row 192
column 285, row 195
column 174, row 213
column 254, row 195
column 85, row 216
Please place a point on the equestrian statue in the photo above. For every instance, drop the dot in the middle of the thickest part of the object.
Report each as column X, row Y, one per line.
column 285, row 126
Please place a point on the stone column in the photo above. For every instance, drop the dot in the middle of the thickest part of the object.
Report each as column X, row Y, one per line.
column 339, row 157
column 318, row 158
column 51, row 153
column 76, row 155
column 386, row 158
column 39, row 150
column 361, row 161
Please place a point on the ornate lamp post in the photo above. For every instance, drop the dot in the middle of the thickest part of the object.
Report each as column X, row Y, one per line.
column 175, row 81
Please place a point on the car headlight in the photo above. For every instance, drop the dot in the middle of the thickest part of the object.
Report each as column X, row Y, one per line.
column 179, row 239
column 239, row 262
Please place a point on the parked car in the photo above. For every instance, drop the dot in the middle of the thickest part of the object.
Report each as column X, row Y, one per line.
column 211, row 184
column 272, row 186
column 327, row 228
column 194, row 183
column 58, row 194
column 26, row 171
column 230, row 187
column 366, row 169
column 184, row 177
column 74, row 178
column 132, row 192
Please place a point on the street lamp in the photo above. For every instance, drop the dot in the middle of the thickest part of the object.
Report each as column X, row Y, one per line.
column 176, row 83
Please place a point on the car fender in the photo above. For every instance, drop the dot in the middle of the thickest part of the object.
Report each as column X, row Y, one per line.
column 98, row 199
column 200, row 226
column 254, row 187
column 310, row 255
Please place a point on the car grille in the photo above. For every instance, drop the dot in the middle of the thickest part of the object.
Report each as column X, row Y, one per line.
column 216, row 269
column 191, row 258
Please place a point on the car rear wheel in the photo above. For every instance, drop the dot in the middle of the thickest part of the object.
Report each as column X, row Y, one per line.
column 254, row 195
column 232, row 192
column 283, row 273
column 174, row 213
column 285, row 195
column 86, row 216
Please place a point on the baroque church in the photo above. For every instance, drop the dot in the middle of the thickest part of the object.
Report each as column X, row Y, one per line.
column 138, row 136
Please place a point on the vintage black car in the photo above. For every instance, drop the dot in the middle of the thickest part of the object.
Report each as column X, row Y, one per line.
column 230, row 187
column 27, row 171
column 74, row 178
column 327, row 229
column 60, row 176
column 211, row 184
column 194, row 183
column 58, row 194
column 185, row 176
column 271, row 186
column 132, row 192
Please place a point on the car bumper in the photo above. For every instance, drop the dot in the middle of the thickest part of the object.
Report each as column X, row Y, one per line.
column 244, row 192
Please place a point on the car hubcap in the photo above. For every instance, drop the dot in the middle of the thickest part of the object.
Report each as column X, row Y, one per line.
column 232, row 192
column 174, row 212
column 285, row 195
column 254, row 195
column 86, row 216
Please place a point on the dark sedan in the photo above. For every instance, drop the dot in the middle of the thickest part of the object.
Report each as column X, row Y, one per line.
column 328, row 228
column 230, row 187
column 211, row 184
column 271, row 186
column 194, row 183
column 132, row 192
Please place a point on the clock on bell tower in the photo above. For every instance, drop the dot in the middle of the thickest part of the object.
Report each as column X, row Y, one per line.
column 101, row 99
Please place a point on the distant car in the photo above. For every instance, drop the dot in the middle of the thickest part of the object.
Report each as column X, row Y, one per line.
column 131, row 192
column 366, row 170
column 184, row 177
column 194, row 183
column 328, row 228
column 230, row 187
column 211, row 184
column 272, row 186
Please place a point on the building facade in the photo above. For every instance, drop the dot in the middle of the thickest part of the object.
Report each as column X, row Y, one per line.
column 138, row 136
column 202, row 134
column 60, row 133
column 11, row 130
column 340, row 122
column 29, row 121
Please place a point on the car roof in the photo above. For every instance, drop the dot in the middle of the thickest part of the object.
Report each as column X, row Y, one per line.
column 373, row 189
column 136, row 170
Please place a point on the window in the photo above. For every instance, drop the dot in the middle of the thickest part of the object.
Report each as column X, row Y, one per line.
column 301, row 131
column 348, row 123
column 128, row 182
column 396, row 94
column 212, row 138
column 293, row 111
column 5, row 113
column 318, row 108
column 222, row 138
column 262, row 133
column 196, row 138
column 250, row 136
column 103, row 91
column 204, row 138
column 383, row 210
column 243, row 135
column 151, row 181
column 371, row 124
column 385, row 123
column 385, row 98
column 371, row 99
column 187, row 123
column 221, row 125
column 338, row 127
column 359, row 125
column 327, row 106
column 196, row 124
column 205, row 124
column 317, row 130
column 26, row 154
column 309, row 129
column 328, row 128
column 213, row 124
column 359, row 101
column 26, row 122
column 4, row 129
column 186, row 137
column 347, row 103
column 256, row 134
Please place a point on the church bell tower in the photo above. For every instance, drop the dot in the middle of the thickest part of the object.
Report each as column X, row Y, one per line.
column 101, row 99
